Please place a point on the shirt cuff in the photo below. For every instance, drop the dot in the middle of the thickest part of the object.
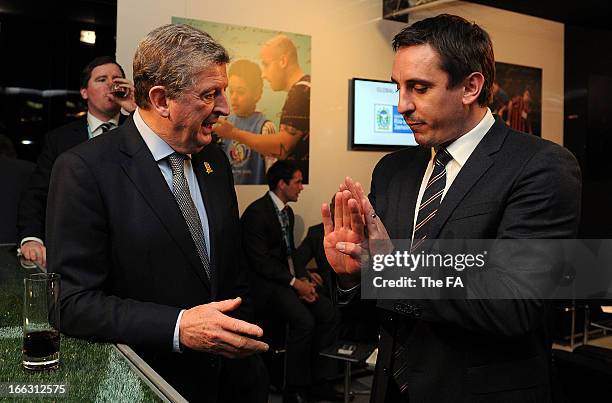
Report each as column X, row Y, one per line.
column 292, row 282
column 31, row 238
column 176, row 345
column 345, row 296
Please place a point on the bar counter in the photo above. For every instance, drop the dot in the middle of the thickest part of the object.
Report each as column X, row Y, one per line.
column 89, row 371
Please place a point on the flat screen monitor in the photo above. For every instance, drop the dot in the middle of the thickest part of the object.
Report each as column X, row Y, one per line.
column 374, row 122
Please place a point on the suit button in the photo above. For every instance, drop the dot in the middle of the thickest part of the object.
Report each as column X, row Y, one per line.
column 386, row 371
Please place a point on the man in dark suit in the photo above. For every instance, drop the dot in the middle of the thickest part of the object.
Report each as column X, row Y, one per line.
column 471, row 178
column 143, row 227
column 282, row 289
column 106, row 91
column 14, row 176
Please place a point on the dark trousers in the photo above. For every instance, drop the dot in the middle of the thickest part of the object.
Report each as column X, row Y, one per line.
column 312, row 327
column 210, row 378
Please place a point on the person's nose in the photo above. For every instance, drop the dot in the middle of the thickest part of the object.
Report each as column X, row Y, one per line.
column 221, row 105
column 406, row 105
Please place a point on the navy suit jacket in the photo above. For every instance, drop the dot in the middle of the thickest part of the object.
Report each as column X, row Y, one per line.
column 128, row 263
column 514, row 185
column 33, row 204
column 265, row 248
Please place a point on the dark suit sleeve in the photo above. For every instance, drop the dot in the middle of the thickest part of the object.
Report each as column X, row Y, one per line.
column 79, row 249
column 254, row 223
column 33, row 204
column 544, row 204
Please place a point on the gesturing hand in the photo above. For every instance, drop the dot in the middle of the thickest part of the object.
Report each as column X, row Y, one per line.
column 347, row 245
column 206, row 328
column 344, row 238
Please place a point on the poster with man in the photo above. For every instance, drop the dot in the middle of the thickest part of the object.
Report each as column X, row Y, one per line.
column 269, row 96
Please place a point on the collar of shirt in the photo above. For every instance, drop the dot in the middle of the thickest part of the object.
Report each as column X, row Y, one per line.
column 464, row 146
column 460, row 150
column 158, row 147
column 277, row 202
column 94, row 123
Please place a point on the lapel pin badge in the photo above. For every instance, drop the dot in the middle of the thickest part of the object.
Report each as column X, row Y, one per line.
column 207, row 167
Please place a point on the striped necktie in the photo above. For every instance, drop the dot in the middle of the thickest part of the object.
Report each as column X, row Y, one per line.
column 430, row 202
column 180, row 189
column 432, row 196
column 106, row 126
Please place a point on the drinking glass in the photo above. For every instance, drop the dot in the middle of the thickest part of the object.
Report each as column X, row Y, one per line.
column 41, row 321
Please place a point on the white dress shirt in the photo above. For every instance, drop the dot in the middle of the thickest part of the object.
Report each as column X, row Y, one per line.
column 279, row 207
column 460, row 150
column 94, row 124
column 160, row 150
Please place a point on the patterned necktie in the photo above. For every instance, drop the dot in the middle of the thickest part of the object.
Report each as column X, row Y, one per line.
column 286, row 229
column 106, row 127
column 180, row 189
column 432, row 196
column 430, row 202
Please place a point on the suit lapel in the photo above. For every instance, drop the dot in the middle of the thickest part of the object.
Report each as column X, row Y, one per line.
column 405, row 189
column 144, row 172
column 205, row 178
column 475, row 167
column 271, row 212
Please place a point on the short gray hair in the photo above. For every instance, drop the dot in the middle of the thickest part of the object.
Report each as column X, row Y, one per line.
column 172, row 56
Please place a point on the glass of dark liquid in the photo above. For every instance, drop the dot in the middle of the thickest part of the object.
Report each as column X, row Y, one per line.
column 41, row 320
column 119, row 91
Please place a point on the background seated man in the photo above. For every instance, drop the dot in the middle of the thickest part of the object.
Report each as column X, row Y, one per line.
column 281, row 289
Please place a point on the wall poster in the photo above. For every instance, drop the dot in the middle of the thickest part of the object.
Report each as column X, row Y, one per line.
column 517, row 97
column 269, row 98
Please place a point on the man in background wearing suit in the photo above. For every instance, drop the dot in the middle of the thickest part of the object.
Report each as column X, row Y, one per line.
column 282, row 289
column 14, row 176
column 104, row 104
column 471, row 178
column 143, row 227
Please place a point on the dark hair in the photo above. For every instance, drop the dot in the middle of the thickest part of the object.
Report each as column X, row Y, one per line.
column 98, row 61
column 249, row 72
column 463, row 47
column 280, row 170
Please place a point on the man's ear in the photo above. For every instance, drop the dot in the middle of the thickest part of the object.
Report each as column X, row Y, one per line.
column 159, row 100
column 282, row 61
column 83, row 92
column 473, row 86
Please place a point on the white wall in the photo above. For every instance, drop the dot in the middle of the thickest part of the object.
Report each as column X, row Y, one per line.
column 349, row 39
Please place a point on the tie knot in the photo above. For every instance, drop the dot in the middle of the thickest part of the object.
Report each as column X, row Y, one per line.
column 106, row 126
column 176, row 163
column 443, row 157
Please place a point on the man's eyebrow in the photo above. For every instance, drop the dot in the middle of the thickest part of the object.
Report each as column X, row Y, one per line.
column 421, row 81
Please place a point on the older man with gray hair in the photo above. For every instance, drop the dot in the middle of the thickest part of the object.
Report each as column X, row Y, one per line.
column 143, row 227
